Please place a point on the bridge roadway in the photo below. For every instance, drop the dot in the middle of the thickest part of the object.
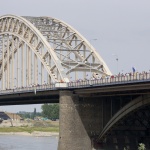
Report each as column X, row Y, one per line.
column 95, row 113
column 40, row 94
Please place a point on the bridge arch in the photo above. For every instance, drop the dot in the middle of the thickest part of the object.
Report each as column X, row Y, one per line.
column 62, row 51
column 128, row 109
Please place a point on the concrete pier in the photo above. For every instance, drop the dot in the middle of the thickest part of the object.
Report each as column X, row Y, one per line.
column 72, row 135
column 80, row 122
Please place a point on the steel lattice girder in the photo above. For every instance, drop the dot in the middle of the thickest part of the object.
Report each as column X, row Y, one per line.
column 59, row 47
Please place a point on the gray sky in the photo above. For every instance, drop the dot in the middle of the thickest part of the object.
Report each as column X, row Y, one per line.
column 121, row 27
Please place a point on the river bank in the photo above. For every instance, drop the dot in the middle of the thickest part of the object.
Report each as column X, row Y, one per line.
column 30, row 128
column 35, row 133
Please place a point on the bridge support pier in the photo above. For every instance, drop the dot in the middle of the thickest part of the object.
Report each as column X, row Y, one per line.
column 79, row 122
column 72, row 134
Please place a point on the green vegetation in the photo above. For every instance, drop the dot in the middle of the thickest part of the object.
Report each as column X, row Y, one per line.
column 35, row 121
column 141, row 146
column 50, row 111
column 30, row 115
column 33, row 125
column 29, row 129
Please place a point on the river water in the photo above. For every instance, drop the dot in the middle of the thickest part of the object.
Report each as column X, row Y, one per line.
column 18, row 142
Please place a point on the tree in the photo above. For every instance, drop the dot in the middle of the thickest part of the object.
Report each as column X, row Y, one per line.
column 34, row 113
column 50, row 111
column 29, row 114
column 141, row 146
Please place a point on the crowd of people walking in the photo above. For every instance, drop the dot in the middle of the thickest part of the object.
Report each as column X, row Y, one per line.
column 95, row 79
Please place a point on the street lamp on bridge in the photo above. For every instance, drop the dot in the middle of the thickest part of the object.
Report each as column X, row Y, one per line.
column 117, row 59
column 91, row 48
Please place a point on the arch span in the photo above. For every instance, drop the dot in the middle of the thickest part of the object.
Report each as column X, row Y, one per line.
column 133, row 106
column 62, row 51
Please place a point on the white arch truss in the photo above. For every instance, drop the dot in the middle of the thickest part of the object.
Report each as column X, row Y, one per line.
column 43, row 49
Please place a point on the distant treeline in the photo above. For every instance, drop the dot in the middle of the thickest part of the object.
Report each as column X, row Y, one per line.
column 49, row 111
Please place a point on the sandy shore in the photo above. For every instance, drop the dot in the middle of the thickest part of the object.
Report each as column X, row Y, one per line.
column 16, row 123
column 35, row 133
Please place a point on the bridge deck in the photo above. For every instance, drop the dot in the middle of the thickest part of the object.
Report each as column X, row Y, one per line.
column 102, row 87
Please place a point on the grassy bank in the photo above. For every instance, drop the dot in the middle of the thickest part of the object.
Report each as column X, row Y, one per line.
column 29, row 129
column 30, row 126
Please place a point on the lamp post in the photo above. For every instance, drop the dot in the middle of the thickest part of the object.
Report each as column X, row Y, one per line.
column 91, row 48
column 117, row 59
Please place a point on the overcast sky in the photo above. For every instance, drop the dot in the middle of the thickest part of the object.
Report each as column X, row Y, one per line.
column 121, row 27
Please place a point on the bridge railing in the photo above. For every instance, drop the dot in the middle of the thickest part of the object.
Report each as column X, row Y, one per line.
column 111, row 80
column 28, row 89
column 87, row 83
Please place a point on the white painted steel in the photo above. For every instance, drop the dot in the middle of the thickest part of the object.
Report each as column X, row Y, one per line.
column 52, row 49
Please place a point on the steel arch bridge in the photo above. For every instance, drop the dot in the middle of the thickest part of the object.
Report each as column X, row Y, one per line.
column 39, row 50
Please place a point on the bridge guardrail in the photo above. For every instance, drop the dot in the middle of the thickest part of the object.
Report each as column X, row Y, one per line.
column 28, row 89
column 111, row 80
column 87, row 83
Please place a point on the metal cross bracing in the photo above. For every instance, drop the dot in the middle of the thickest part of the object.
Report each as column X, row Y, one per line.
column 39, row 50
column 131, row 130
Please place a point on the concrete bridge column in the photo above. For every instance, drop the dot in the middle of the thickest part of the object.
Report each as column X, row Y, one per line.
column 72, row 135
column 80, row 122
